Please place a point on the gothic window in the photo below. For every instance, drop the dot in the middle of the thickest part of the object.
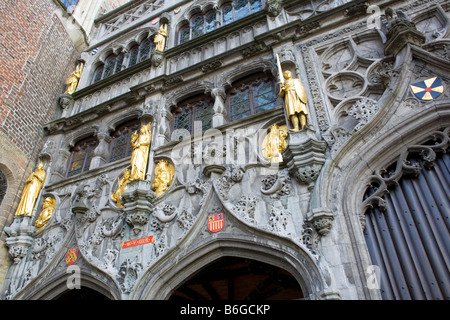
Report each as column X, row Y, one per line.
column 110, row 65
column 3, row 186
column 251, row 95
column 197, row 26
column 184, row 34
column 98, row 73
column 193, row 114
column 119, row 62
column 210, row 21
column 145, row 49
column 80, row 156
column 231, row 11
column 120, row 144
column 239, row 9
column 133, row 56
column 116, row 63
column 227, row 14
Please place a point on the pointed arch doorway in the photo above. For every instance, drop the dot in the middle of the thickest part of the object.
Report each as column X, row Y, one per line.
column 234, row 278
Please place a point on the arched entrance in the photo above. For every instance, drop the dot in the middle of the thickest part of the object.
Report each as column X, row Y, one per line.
column 84, row 294
column 233, row 278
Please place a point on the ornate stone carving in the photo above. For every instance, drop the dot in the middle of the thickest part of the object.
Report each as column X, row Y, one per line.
column 400, row 32
column 277, row 185
column 305, row 156
column 138, row 206
column 128, row 273
column 245, row 208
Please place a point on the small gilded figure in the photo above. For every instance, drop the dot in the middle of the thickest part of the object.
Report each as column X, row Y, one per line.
column 31, row 191
column 295, row 99
column 72, row 81
column 164, row 172
column 274, row 143
column 122, row 186
column 47, row 210
column 139, row 156
column 160, row 38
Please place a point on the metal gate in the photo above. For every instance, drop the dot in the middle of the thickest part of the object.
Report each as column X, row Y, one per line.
column 407, row 223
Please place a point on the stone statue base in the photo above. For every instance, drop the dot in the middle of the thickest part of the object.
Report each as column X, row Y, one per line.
column 305, row 155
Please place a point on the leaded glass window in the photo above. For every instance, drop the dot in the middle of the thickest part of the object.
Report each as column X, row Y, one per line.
column 197, row 26
column 184, row 34
column 264, row 97
column 121, row 142
column 3, row 186
column 251, row 95
column 98, row 73
column 198, row 108
column 110, row 65
column 240, row 103
column 119, row 62
column 145, row 49
column 81, row 154
column 133, row 56
column 227, row 14
column 240, row 9
column 183, row 119
column 210, row 21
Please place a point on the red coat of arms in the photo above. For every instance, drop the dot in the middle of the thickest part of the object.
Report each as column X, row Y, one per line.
column 216, row 222
column 72, row 255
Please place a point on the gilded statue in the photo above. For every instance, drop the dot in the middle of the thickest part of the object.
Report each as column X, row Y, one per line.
column 72, row 81
column 160, row 38
column 31, row 191
column 275, row 142
column 295, row 99
column 47, row 210
column 139, row 156
column 122, row 186
column 164, row 172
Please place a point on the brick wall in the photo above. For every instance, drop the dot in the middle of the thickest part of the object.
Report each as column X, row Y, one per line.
column 36, row 56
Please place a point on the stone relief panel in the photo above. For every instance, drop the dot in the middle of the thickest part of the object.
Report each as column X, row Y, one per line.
column 129, row 17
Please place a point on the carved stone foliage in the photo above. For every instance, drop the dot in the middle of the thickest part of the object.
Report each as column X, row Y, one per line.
column 267, row 201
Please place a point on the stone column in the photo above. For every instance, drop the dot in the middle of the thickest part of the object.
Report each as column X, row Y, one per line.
column 219, row 110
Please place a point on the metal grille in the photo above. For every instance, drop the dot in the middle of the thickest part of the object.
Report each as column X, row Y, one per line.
column 407, row 233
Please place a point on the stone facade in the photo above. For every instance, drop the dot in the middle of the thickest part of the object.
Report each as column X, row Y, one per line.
column 357, row 63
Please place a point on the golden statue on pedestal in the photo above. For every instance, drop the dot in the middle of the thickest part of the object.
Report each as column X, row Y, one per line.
column 139, row 156
column 160, row 38
column 164, row 172
column 31, row 191
column 72, row 81
column 122, row 186
column 295, row 98
column 275, row 142
column 47, row 210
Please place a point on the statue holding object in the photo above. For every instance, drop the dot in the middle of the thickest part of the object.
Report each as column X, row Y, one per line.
column 295, row 99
